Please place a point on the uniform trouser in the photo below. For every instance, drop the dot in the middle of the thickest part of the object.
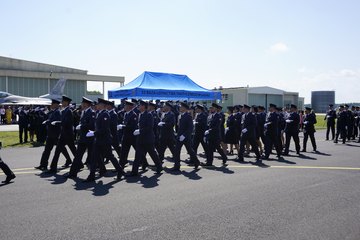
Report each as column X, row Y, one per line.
column 356, row 132
column 189, row 149
column 350, row 131
column 330, row 126
column 272, row 140
column 141, row 150
column 342, row 133
column 60, row 148
column 213, row 145
column 295, row 136
column 117, row 148
column 166, row 143
column 97, row 159
column 5, row 168
column 252, row 141
column 50, row 143
column 196, row 142
column 312, row 138
column 23, row 129
column 124, row 152
column 80, row 151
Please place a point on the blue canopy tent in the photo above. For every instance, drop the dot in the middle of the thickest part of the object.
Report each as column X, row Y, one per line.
column 163, row 86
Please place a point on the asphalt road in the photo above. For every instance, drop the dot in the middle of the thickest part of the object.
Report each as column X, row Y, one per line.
column 315, row 196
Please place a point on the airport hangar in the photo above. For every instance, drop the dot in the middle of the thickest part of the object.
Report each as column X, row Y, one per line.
column 33, row 79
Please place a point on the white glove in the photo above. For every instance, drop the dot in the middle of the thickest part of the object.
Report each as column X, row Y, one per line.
column 90, row 134
column 78, row 127
column 306, row 122
column 226, row 130
column 206, row 132
column 44, row 122
column 160, row 124
column 136, row 132
column 182, row 138
column 328, row 116
column 244, row 130
column 55, row 122
column 204, row 139
column 267, row 124
column 288, row 120
column 120, row 126
column 195, row 122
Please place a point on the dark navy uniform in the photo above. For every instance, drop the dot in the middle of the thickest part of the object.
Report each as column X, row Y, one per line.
column 248, row 134
column 53, row 132
column 66, row 138
column 114, row 132
column 341, row 126
column 87, row 123
column 271, row 134
column 330, row 118
column 23, row 125
column 167, row 137
column 102, row 146
column 231, row 134
column 309, row 130
column 261, row 119
column 292, row 131
column 200, row 128
column 128, row 138
column 145, row 142
column 184, row 133
column 213, row 139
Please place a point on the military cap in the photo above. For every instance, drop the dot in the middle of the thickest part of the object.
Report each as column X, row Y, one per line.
column 230, row 108
column 279, row 108
column 341, row 106
column 135, row 101
column 246, row 106
column 95, row 103
column 54, row 101
column 261, row 107
column 308, row 108
column 272, row 105
column 237, row 107
column 346, row 105
column 86, row 100
column 103, row 101
column 293, row 106
column 331, row 105
column 66, row 98
column 169, row 104
column 129, row 103
column 143, row 103
column 185, row 105
column 153, row 104
column 199, row 106
column 215, row 105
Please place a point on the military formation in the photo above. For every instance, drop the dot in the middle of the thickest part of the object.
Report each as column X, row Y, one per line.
column 150, row 128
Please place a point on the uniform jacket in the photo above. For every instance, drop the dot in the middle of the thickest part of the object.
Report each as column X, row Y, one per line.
column 272, row 120
column 87, row 122
column 167, row 130
column 330, row 116
column 102, row 128
column 293, row 127
column 185, row 126
column 146, row 127
column 113, row 126
column 201, row 124
column 53, row 131
column 249, row 123
column 214, row 121
column 131, row 123
column 311, row 119
column 67, row 123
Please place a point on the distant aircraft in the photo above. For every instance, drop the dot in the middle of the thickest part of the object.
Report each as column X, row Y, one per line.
column 56, row 93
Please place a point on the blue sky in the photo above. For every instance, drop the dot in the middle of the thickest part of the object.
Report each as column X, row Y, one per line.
column 293, row 45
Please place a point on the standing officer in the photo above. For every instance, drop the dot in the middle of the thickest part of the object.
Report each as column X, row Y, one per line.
column 309, row 129
column 102, row 144
column 248, row 134
column 166, row 127
column 23, row 125
column 292, row 129
column 87, row 123
column 184, row 132
column 5, row 168
column 271, row 132
column 349, row 122
column 128, row 127
column 145, row 141
column 66, row 134
column 330, row 122
column 212, row 136
column 261, row 122
column 341, row 124
column 200, row 124
column 114, row 121
column 53, row 132
column 231, row 135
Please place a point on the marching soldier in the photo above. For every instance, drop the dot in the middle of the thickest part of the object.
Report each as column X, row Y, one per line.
column 349, row 122
column 87, row 123
column 200, row 124
column 261, row 122
column 248, row 134
column 128, row 126
column 212, row 135
column 271, row 132
column 292, row 130
column 330, row 122
column 52, row 138
column 357, row 120
column 152, row 110
column 145, row 142
column 102, row 144
column 309, row 129
column 166, row 126
column 341, row 124
column 5, row 168
column 184, row 132
column 66, row 135
column 114, row 121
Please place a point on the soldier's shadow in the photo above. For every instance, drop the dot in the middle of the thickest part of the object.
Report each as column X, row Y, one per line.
column 101, row 189
column 192, row 175
column 302, row 156
column 150, row 182
column 281, row 160
column 222, row 169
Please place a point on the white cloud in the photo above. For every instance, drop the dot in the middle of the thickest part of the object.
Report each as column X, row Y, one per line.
column 279, row 47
